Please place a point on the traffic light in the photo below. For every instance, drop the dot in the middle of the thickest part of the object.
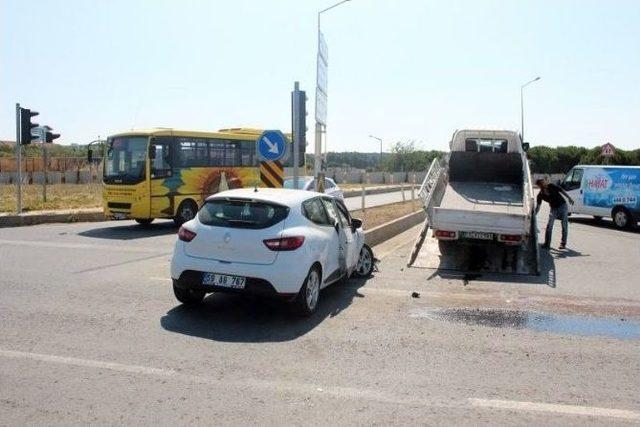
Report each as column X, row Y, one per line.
column 49, row 137
column 299, row 104
column 25, row 126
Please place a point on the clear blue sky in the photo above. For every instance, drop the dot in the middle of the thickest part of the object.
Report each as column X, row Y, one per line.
column 397, row 69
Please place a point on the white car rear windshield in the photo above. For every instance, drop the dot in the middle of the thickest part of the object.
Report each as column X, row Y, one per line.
column 241, row 213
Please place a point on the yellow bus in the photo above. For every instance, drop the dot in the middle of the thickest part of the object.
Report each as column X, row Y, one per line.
column 167, row 173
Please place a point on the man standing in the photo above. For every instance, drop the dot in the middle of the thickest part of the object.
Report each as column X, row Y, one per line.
column 552, row 194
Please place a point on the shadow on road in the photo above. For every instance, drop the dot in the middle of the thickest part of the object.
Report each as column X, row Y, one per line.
column 495, row 263
column 605, row 223
column 234, row 318
column 131, row 231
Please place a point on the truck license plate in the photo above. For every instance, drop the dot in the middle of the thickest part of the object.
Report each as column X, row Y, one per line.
column 223, row 280
column 476, row 235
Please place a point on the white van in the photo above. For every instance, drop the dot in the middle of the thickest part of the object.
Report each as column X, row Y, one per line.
column 605, row 191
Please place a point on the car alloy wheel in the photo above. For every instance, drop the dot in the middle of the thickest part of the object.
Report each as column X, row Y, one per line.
column 313, row 289
column 365, row 262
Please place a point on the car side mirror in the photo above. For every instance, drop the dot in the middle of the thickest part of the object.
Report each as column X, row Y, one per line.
column 356, row 223
column 525, row 146
column 89, row 155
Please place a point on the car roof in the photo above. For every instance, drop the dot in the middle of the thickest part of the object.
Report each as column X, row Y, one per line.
column 282, row 196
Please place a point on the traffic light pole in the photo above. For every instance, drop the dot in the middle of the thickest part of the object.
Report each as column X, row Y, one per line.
column 296, row 133
column 44, row 165
column 19, row 158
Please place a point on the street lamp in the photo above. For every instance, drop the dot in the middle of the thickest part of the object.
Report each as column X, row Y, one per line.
column 522, row 105
column 318, row 139
column 380, row 161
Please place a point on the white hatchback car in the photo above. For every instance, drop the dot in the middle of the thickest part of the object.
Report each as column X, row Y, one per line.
column 288, row 243
column 308, row 183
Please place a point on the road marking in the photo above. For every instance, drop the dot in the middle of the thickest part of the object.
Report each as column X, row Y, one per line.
column 338, row 392
column 117, row 264
column 74, row 361
column 333, row 391
column 63, row 245
column 590, row 411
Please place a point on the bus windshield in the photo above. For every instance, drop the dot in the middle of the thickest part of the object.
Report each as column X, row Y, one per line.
column 126, row 160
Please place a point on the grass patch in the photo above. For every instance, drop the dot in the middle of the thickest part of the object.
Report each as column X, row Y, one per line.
column 59, row 196
column 379, row 215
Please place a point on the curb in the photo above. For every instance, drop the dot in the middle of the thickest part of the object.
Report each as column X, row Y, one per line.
column 392, row 228
column 86, row 215
column 376, row 190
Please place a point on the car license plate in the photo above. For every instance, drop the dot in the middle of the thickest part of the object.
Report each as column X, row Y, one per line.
column 118, row 215
column 476, row 235
column 223, row 280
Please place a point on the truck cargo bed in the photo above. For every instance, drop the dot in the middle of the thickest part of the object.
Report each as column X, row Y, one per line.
column 484, row 197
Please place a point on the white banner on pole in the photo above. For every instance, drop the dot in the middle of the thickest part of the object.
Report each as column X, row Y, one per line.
column 321, row 80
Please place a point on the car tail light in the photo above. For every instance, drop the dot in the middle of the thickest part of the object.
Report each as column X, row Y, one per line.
column 510, row 238
column 186, row 235
column 284, row 243
column 446, row 235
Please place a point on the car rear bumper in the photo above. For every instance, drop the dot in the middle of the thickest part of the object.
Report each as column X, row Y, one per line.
column 285, row 276
column 191, row 279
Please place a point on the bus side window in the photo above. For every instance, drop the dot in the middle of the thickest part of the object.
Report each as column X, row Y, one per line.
column 248, row 153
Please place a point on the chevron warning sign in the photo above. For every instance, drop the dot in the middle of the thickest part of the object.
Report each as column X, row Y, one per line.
column 272, row 174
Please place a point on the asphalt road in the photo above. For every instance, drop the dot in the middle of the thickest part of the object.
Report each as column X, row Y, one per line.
column 91, row 333
column 371, row 200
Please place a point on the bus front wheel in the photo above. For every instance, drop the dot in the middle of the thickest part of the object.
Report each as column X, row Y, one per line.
column 186, row 212
column 144, row 221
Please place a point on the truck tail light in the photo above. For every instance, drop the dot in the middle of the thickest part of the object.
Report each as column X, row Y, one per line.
column 284, row 243
column 510, row 238
column 446, row 235
column 186, row 235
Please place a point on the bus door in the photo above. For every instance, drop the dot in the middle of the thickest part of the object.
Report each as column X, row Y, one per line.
column 160, row 169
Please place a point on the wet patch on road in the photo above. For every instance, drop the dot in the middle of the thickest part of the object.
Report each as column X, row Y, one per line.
column 610, row 327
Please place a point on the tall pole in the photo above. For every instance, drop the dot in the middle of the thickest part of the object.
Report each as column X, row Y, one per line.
column 320, row 128
column 44, row 165
column 522, row 113
column 522, row 105
column 19, row 159
column 317, row 161
column 380, row 158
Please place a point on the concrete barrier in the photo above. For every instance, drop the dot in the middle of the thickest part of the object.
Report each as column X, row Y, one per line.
column 376, row 178
column 399, row 177
column 392, row 228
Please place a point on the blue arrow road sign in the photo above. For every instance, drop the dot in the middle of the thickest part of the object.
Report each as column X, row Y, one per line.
column 272, row 145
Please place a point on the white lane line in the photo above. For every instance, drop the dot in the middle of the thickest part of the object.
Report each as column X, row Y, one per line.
column 74, row 361
column 64, row 245
column 333, row 391
column 302, row 388
column 590, row 411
